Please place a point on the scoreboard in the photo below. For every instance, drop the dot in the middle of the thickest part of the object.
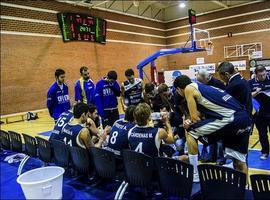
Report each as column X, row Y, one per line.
column 80, row 27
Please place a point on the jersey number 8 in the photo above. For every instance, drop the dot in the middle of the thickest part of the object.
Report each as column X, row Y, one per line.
column 113, row 138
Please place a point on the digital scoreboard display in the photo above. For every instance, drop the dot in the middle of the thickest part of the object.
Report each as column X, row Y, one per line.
column 80, row 27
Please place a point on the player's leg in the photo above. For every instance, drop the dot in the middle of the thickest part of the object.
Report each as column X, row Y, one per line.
column 192, row 146
column 204, row 127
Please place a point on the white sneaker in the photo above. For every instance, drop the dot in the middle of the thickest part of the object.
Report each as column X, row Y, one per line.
column 264, row 156
column 196, row 178
column 229, row 165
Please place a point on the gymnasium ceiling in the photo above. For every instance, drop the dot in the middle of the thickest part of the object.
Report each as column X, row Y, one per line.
column 157, row 10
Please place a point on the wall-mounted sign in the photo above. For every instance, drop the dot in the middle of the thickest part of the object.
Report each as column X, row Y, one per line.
column 256, row 54
column 169, row 76
column 240, row 65
column 211, row 68
column 200, row 60
column 263, row 62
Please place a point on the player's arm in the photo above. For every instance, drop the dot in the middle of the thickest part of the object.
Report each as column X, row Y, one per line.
column 98, row 99
column 166, row 134
column 78, row 92
column 85, row 138
column 191, row 94
column 122, row 100
column 90, row 124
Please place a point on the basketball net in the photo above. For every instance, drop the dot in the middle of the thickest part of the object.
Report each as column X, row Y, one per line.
column 209, row 48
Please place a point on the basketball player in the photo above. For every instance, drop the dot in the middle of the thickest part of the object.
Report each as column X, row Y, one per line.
column 131, row 90
column 106, row 93
column 215, row 150
column 64, row 118
column 57, row 96
column 75, row 132
column 144, row 138
column 118, row 139
column 226, row 119
column 84, row 87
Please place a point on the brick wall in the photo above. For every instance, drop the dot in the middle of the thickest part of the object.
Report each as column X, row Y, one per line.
column 28, row 62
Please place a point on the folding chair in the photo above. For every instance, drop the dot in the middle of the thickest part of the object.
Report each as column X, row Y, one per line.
column 175, row 177
column 44, row 150
column 30, row 151
column 139, row 171
column 61, row 153
column 5, row 140
column 80, row 159
column 219, row 182
column 16, row 141
column 260, row 186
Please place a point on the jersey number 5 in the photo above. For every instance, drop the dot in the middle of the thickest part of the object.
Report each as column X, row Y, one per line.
column 61, row 122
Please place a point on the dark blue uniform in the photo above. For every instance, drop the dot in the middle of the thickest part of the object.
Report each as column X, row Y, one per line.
column 238, row 88
column 145, row 140
column 64, row 118
column 262, row 120
column 226, row 119
column 71, row 134
column 118, row 139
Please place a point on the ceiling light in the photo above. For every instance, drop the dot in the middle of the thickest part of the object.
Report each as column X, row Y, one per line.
column 182, row 5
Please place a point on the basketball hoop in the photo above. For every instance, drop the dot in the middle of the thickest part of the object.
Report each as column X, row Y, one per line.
column 209, row 48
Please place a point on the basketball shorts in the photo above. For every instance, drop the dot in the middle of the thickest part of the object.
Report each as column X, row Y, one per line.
column 234, row 131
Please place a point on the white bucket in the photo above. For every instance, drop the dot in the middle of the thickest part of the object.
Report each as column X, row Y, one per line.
column 42, row 183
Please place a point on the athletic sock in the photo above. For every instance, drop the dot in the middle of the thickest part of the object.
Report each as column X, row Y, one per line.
column 193, row 160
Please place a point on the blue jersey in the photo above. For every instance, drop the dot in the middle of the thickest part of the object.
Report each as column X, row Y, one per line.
column 216, row 103
column 57, row 100
column 106, row 96
column 71, row 134
column 64, row 118
column 145, row 140
column 85, row 94
column 118, row 139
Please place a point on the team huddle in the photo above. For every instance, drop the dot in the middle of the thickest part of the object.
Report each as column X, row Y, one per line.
column 164, row 121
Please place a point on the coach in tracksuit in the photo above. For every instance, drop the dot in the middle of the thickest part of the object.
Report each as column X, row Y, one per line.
column 106, row 93
column 258, row 85
column 57, row 96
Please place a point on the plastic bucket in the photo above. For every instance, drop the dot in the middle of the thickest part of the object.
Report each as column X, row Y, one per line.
column 42, row 183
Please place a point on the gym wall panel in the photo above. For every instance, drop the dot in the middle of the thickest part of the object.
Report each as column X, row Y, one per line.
column 225, row 22
column 182, row 61
column 224, row 31
column 28, row 65
column 223, row 13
